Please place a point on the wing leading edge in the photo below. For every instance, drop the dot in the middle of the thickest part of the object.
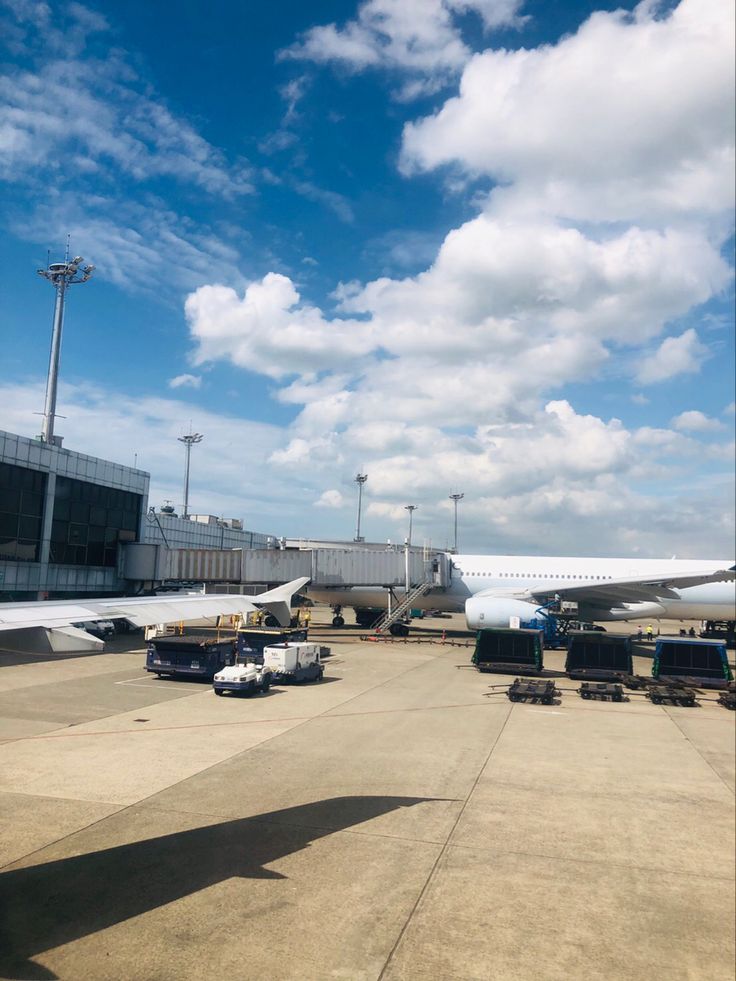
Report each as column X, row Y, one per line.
column 147, row 610
column 611, row 593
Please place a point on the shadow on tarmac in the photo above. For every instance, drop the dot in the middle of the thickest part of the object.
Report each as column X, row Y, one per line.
column 55, row 903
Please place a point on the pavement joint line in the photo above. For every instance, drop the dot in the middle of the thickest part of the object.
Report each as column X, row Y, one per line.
column 56, row 734
column 691, row 743
column 443, row 851
column 590, row 861
column 212, row 766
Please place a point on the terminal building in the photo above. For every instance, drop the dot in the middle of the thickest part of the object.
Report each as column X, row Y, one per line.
column 66, row 519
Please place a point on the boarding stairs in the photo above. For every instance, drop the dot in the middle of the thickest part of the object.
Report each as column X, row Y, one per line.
column 399, row 611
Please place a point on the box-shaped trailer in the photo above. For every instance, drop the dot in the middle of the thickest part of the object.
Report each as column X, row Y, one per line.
column 702, row 661
column 509, row 650
column 596, row 655
column 300, row 661
column 191, row 656
column 251, row 641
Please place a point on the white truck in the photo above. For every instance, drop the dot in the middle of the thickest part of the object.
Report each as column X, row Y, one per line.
column 242, row 678
column 294, row 661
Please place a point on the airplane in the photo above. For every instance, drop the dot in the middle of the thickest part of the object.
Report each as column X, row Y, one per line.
column 493, row 589
column 51, row 620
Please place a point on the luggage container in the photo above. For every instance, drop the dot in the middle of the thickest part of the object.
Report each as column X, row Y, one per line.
column 190, row 655
column 293, row 662
column 703, row 662
column 508, row 650
column 595, row 655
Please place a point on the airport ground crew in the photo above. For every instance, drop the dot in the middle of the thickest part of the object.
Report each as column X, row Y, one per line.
column 306, row 617
column 650, row 632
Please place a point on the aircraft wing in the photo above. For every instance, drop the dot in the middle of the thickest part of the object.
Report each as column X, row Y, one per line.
column 610, row 593
column 146, row 610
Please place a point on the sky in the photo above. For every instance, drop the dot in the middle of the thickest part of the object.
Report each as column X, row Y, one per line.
column 461, row 246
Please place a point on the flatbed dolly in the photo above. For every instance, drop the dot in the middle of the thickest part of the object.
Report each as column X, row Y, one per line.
column 675, row 694
column 598, row 690
column 522, row 691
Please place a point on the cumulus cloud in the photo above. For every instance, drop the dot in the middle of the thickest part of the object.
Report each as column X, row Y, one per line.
column 185, row 381
column 695, row 421
column 270, row 330
column 330, row 499
column 675, row 356
column 631, row 115
column 419, row 37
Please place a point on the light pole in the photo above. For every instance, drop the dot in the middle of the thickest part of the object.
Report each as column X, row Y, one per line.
column 188, row 441
column 411, row 508
column 455, row 498
column 360, row 479
column 60, row 275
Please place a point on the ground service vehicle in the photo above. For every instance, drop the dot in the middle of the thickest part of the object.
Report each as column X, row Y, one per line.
column 242, row 679
column 294, row 662
column 190, row 656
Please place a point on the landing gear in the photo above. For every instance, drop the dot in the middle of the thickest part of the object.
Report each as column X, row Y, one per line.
column 337, row 620
column 399, row 629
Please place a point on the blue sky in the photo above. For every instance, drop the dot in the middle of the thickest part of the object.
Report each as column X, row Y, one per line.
column 474, row 245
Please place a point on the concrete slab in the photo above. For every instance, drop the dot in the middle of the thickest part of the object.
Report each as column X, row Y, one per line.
column 30, row 823
column 295, row 835
column 529, row 917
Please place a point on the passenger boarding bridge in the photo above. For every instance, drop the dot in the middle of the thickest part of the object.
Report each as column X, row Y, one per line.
column 149, row 565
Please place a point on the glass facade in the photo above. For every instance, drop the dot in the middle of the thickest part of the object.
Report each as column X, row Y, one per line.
column 21, row 512
column 90, row 520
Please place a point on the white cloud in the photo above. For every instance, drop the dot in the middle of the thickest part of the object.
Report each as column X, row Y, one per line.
column 185, row 381
column 98, row 114
column 675, row 356
column 419, row 37
column 696, row 422
column 630, row 116
column 330, row 499
column 269, row 330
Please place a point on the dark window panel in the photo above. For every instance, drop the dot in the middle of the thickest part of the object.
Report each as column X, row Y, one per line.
column 63, row 489
column 62, row 510
column 31, row 504
column 110, row 557
column 80, row 512
column 96, row 554
column 59, row 531
column 77, row 534
column 8, row 525
column 97, row 516
column 111, row 536
column 27, row 550
column 96, row 534
column 10, row 500
column 29, row 527
column 115, row 518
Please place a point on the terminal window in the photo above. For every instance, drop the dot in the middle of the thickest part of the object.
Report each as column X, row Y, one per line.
column 89, row 522
column 21, row 511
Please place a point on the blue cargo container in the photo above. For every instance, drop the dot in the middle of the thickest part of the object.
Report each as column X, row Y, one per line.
column 685, row 657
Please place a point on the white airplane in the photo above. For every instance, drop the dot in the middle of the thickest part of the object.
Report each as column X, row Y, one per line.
column 54, row 618
column 492, row 589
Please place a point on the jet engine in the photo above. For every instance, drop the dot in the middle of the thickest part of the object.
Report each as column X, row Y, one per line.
column 489, row 612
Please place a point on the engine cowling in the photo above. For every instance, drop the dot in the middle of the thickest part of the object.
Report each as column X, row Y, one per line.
column 489, row 612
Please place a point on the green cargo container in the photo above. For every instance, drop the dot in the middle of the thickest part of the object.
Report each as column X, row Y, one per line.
column 508, row 650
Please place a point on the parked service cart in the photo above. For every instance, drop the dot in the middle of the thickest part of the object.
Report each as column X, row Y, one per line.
column 294, row 662
column 242, row 679
column 191, row 656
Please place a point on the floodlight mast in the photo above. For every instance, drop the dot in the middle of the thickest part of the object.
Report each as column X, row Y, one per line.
column 455, row 498
column 188, row 440
column 61, row 275
column 360, row 479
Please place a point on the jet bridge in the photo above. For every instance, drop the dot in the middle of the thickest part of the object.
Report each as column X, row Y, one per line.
column 325, row 567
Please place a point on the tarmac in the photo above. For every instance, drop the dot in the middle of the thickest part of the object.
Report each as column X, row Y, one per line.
column 401, row 819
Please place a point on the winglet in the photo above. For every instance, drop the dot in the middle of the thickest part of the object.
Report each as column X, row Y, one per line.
column 278, row 601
